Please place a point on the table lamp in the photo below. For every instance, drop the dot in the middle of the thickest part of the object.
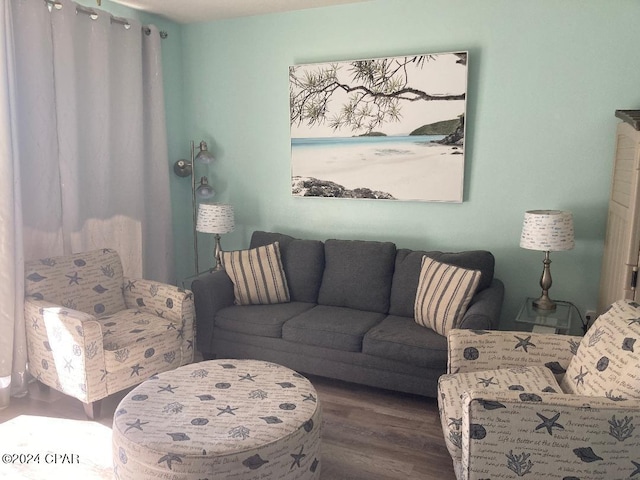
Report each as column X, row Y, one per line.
column 547, row 231
column 216, row 218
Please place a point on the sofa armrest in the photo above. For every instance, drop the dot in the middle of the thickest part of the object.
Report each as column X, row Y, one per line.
column 550, row 435
column 475, row 350
column 65, row 349
column 485, row 307
column 211, row 292
column 168, row 302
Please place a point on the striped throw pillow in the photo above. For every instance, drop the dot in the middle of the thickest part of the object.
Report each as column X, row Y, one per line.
column 444, row 293
column 257, row 275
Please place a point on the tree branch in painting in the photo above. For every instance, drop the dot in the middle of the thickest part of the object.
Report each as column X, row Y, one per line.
column 374, row 93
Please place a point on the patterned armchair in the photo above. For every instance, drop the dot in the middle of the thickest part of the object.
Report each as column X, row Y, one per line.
column 518, row 404
column 92, row 332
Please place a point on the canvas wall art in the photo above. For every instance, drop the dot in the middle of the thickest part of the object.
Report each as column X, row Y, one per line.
column 382, row 128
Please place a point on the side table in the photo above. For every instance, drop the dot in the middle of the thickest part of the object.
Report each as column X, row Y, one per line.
column 546, row 321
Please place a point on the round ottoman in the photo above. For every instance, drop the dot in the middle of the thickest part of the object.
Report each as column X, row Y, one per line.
column 219, row 419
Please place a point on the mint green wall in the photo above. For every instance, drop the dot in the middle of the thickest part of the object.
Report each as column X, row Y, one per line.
column 545, row 79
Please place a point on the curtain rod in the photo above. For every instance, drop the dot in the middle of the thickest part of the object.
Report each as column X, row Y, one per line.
column 93, row 15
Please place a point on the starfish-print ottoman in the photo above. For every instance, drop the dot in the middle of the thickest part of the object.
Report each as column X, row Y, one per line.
column 219, row 419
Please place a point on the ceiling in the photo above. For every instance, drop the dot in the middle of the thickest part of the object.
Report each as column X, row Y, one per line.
column 192, row 11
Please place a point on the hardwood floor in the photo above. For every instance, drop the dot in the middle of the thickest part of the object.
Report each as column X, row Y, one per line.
column 367, row 434
column 377, row 434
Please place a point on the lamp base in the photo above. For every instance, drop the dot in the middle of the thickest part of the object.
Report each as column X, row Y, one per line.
column 544, row 303
column 218, row 254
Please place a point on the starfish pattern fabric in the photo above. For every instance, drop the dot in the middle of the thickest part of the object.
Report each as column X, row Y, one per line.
column 251, row 428
column 106, row 332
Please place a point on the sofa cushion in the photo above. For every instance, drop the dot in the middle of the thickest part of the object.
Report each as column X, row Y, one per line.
column 357, row 274
column 257, row 275
column 407, row 274
column 260, row 320
column 402, row 339
column 303, row 262
column 334, row 327
column 444, row 293
column 608, row 359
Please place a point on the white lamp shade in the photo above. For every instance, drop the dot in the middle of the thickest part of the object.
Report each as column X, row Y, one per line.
column 215, row 218
column 547, row 230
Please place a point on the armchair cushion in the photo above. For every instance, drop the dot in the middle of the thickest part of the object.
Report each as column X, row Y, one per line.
column 137, row 345
column 444, row 293
column 528, row 382
column 257, row 274
column 608, row 359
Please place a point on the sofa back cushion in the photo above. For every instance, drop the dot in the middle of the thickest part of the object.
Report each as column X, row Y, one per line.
column 407, row 274
column 608, row 358
column 357, row 274
column 90, row 282
column 302, row 260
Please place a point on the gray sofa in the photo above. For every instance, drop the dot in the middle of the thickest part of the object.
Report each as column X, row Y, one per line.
column 350, row 316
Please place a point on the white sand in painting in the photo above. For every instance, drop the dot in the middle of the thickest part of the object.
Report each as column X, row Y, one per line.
column 429, row 171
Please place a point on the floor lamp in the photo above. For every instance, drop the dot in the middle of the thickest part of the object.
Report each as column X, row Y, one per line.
column 216, row 218
column 547, row 231
column 203, row 191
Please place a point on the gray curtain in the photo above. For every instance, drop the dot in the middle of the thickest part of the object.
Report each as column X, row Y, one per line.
column 89, row 136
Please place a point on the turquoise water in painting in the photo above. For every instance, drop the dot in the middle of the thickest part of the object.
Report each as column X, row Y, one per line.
column 406, row 167
column 330, row 142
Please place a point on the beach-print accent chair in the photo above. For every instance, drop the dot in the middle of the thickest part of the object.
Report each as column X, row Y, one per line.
column 519, row 404
column 92, row 332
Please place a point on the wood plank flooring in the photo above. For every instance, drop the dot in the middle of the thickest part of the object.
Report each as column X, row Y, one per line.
column 368, row 434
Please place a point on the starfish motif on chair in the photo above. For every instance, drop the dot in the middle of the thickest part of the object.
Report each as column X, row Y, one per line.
column 524, row 343
column 74, row 279
column 580, row 377
column 549, row 423
column 487, row 382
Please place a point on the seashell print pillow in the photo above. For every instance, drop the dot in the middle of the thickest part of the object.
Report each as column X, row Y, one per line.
column 607, row 363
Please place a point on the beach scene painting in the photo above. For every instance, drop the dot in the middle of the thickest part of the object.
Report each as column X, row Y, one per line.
column 383, row 128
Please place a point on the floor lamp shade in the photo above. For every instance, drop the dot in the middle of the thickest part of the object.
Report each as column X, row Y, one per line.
column 215, row 218
column 547, row 231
